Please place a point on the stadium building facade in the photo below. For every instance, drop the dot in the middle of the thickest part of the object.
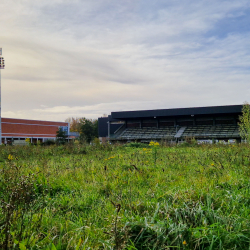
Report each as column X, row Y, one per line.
column 201, row 123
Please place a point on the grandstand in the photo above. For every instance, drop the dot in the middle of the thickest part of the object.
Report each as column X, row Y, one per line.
column 201, row 123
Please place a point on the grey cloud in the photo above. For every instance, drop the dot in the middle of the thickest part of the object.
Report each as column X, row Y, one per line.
column 92, row 56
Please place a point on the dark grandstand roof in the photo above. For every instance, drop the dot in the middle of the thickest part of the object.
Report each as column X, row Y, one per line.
column 230, row 109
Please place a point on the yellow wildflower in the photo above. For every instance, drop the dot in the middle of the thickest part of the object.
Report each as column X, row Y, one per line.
column 152, row 143
column 184, row 242
column 10, row 157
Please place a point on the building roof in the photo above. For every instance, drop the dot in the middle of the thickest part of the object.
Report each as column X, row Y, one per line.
column 212, row 110
column 33, row 122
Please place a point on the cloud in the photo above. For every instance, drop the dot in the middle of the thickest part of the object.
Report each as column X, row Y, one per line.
column 80, row 58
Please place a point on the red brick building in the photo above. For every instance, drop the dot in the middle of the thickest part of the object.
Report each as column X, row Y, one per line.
column 20, row 129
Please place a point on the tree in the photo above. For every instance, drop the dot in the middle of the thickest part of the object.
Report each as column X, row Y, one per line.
column 61, row 136
column 244, row 124
column 74, row 124
column 88, row 129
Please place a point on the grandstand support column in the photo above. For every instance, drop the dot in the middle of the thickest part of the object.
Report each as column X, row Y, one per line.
column 108, row 130
column 235, row 121
column 194, row 122
column 157, row 123
column 176, row 130
column 141, row 123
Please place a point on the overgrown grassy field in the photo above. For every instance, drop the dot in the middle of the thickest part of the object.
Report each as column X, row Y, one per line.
column 124, row 197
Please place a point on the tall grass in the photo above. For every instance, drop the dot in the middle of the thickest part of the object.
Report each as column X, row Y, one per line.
column 117, row 197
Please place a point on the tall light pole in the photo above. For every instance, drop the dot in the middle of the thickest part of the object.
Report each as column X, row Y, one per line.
column 2, row 65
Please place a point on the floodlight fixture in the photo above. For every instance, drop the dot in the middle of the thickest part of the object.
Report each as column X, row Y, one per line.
column 2, row 65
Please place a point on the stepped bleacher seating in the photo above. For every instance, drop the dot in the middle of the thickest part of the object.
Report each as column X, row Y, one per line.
column 169, row 133
column 208, row 131
column 148, row 133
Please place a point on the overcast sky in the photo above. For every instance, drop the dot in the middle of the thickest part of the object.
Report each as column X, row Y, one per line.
column 86, row 58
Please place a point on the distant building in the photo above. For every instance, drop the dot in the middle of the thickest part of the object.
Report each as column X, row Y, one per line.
column 20, row 129
column 201, row 123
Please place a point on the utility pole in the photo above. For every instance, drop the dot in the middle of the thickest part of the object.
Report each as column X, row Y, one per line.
column 2, row 65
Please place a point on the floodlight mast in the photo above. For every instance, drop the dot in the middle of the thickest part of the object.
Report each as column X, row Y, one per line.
column 2, row 65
